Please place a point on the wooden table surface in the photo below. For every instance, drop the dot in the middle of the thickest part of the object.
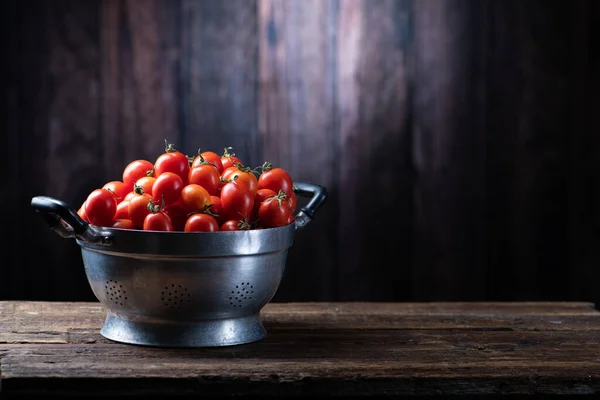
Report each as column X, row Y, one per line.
column 313, row 348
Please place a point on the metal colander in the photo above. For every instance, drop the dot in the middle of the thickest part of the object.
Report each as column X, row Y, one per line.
column 182, row 289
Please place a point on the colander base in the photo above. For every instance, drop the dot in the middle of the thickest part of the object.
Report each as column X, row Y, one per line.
column 205, row 333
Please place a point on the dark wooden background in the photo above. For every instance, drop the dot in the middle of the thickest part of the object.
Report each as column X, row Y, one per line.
column 458, row 139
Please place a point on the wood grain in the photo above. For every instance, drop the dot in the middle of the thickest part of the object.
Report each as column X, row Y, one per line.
column 456, row 139
column 139, row 50
column 373, row 92
column 218, row 77
column 316, row 348
column 58, row 151
column 449, row 139
column 297, row 128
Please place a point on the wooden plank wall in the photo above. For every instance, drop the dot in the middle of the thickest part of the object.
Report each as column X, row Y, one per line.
column 456, row 138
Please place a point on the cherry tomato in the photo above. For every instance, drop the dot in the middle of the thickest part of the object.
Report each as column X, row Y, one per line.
column 234, row 225
column 292, row 200
column 274, row 212
column 129, row 196
column 172, row 161
column 243, row 175
column 261, row 195
column 275, row 179
column 122, row 210
column 123, row 224
column 100, row 207
column 230, row 225
column 178, row 216
column 136, row 170
column 195, row 198
column 216, row 209
column 158, row 221
column 211, row 157
column 207, row 176
column 167, row 188
column 81, row 213
column 138, row 209
column 201, row 223
column 237, row 201
column 229, row 159
column 226, row 175
column 146, row 183
column 119, row 189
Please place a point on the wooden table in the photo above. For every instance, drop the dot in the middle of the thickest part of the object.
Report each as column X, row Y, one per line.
column 312, row 348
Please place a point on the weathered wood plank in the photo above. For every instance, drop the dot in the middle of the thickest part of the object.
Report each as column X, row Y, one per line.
column 297, row 129
column 77, row 309
column 59, row 156
column 40, row 322
column 375, row 164
column 559, row 360
column 449, row 150
column 103, row 80
column 346, row 348
column 139, row 52
column 374, row 355
column 217, row 77
column 80, row 330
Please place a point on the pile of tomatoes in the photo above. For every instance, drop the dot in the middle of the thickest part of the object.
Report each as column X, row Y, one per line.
column 209, row 192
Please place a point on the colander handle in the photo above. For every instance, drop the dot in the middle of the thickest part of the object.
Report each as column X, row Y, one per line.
column 65, row 222
column 318, row 195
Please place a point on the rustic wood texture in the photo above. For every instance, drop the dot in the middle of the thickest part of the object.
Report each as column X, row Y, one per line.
column 316, row 348
column 456, row 138
column 297, row 125
column 449, row 108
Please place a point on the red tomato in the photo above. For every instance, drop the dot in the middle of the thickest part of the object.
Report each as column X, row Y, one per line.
column 237, row 201
column 234, row 225
column 226, row 175
column 100, row 207
column 211, row 157
column 158, row 221
column 136, row 170
column 290, row 219
column 178, row 216
column 146, row 183
column 216, row 209
column 194, row 198
column 122, row 210
column 292, row 201
column 119, row 189
column 81, row 213
column 261, row 195
column 230, row 225
column 229, row 159
column 275, row 179
column 129, row 196
column 274, row 212
column 201, row 223
column 167, row 188
column 123, row 224
column 138, row 209
column 172, row 161
column 243, row 175
column 207, row 176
